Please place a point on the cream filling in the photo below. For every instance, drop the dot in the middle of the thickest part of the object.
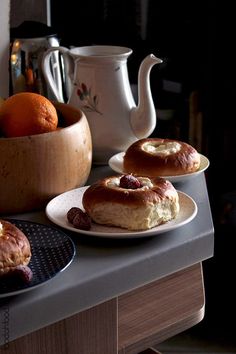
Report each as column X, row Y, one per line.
column 162, row 149
column 1, row 229
column 145, row 183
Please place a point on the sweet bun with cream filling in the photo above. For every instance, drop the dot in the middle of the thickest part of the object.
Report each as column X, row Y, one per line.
column 15, row 248
column 161, row 157
column 133, row 203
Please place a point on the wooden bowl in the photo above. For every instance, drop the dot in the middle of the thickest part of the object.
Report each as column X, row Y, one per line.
column 36, row 168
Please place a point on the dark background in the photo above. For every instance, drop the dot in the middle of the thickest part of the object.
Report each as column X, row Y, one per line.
column 196, row 41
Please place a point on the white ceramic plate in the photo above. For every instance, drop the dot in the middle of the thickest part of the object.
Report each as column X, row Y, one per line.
column 116, row 164
column 58, row 207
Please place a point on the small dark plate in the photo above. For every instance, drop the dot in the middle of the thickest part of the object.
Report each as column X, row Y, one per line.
column 52, row 252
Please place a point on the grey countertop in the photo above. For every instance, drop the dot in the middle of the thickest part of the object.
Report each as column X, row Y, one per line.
column 105, row 268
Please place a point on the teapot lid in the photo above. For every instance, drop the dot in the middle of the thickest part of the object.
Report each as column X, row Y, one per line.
column 31, row 29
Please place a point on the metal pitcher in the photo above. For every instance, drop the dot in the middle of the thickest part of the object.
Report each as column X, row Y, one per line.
column 29, row 41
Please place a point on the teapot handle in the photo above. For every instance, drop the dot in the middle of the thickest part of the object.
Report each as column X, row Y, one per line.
column 47, row 71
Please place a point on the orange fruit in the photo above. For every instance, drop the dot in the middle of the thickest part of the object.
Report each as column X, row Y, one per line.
column 27, row 113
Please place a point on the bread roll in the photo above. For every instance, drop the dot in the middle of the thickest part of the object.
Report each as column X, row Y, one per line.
column 14, row 247
column 161, row 157
column 153, row 203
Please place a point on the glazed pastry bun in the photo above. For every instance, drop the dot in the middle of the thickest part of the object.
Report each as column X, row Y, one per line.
column 14, row 247
column 133, row 203
column 161, row 157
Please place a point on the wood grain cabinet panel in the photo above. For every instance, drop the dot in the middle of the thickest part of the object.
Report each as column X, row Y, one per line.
column 128, row 324
column 159, row 310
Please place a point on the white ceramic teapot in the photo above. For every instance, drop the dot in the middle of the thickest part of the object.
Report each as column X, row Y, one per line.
column 100, row 87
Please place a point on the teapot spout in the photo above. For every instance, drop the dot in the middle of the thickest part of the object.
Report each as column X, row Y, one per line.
column 143, row 117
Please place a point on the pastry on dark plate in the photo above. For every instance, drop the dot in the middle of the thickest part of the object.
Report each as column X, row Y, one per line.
column 15, row 251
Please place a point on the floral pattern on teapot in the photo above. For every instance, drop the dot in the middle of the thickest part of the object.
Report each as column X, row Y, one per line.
column 89, row 101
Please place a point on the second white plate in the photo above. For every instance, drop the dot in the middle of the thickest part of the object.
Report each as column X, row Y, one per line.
column 57, row 208
column 116, row 164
